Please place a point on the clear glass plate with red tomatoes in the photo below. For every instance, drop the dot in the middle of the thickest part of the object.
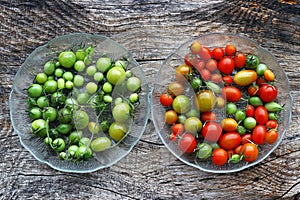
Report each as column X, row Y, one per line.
column 221, row 103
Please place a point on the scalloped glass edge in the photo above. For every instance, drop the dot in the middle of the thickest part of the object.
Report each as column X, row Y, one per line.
column 148, row 103
column 248, row 164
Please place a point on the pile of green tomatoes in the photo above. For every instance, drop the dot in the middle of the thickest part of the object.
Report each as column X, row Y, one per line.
column 80, row 105
column 233, row 109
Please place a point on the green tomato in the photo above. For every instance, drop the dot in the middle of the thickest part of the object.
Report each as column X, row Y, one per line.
column 50, row 113
column 121, row 112
column 196, row 83
column 91, row 87
column 83, row 98
column 35, row 90
column 69, row 85
column 84, row 141
column 204, row 151
column 255, row 101
column 64, row 128
column 193, row 113
column 49, row 68
column 117, row 131
column 50, row 86
column 134, row 97
column 81, row 119
column 181, row 119
column 103, row 64
column 100, row 144
column 61, row 83
column 120, row 63
column 249, row 123
column 107, row 87
column 59, row 72
column 241, row 130
column 67, row 59
column 58, row 98
column 133, row 84
column 261, row 68
column 41, row 78
column 75, row 137
column 38, row 127
column 181, row 104
column 193, row 125
column 72, row 151
column 71, row 104
column 91, row 70
column 78, row 80
column 98, row 76
column 68, row 76
column 83, row 153
column 231, row 108
column 252, row 61
column 116, row 75
column 79, row 66
column 93, row 127
column 35, row 113
column 42, row 102
column 107, row 98
column 240, row 115
column 64, row 115
column 58, row 144
column 80, row 54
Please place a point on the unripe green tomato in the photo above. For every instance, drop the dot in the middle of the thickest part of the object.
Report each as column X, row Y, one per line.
column 59, row 72
column 68, row 76
column 67, row 59
column 204, row 151
column 41, row 78
column 78, row 80
column 79, row 66
column 91, row 70
column 100, row 144
column 103, row 64
column 133, row 84
column 35, row 90
column 58, row 144
column 38, row 127
column 49, row 68
column 35, row 113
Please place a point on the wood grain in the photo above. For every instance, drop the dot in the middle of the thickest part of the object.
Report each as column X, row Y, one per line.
column 151, row 30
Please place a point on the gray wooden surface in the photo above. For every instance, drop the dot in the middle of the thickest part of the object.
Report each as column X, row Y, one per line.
column 150, row 30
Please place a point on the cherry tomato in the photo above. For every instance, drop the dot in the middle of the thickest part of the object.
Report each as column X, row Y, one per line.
column 230, row 140
column 195, row 47
column 272, row 124
column 166, row 99
column 238, row 149
column 220, row 102
column 239, row 60
column 231, row 93
column 171, row 117
column 230, row 153
column 205, row 74
column 247, row 138
column 250, row 111
column 227, row 80
column 208, row 116
column 267, row 92
column 219, row 157
column 229, row 124
column 216, row 78
column 211, row 131
column 260, row 81
column 218, row 53
column 269, row 75
column 205, row 100
column 226, row 65
column 187, row 143
column 253, row 90
column 205, row 53
column 190, row 59
column 182, row 71
column 250, row 152
column 261, row 115
column 175, row 89
column 245, row 77
column 211, row 65
column 258, row 134
column 230, row 50
column 200, row 65
column 178, row 129
column 173, row 137
column 271, row 136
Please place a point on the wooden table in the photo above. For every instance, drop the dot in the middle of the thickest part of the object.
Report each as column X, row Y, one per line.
column 150, row 30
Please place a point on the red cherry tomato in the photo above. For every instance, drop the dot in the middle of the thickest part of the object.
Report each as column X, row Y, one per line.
column 166, row 99
column 250, row 152
column 246, row 138
column 205, row 74
column 253, row 90
column 178, row 129
column 238, row 149
column 250, row 110
column 205, row 53
column 272, row 124
column 271, row 136
column 258, row 134
column 211, row 131
column 230, row 140
column 260, row 81
column 261, row 115
column 219, row 157
column 200, row 65
column 190, row 59
column 226, row 65
column 216, row 78
column 267, row 93
column 187, row 143
column 211, row 65
column 218, row 53
column 230, row 50
column 173, row 137
column 208, row 116
column 231, row 93
column 227, row 80
column 239, row 60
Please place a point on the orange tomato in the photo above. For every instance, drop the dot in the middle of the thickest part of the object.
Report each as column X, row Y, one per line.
column 182, row 71
column 171, row 116
column 269, row 75
column 229, row 124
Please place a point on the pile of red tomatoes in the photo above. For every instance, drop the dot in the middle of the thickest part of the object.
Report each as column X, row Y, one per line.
column 233, row 109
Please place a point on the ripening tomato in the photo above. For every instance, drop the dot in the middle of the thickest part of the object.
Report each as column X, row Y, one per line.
column 172, row 137
column 187, row 143
column 195, row 47
column 177, row 129
column 182, row 71
column 272, row 124
column 211, row 65
column 190, row 59
column 267, row 93
column 269, row 75
column 229, row 124
column 211, row 131
column 226, row 65
column 258, row 134
column 250, row 152
column 253, row 90
column 205, row 53
column 208, row 116
column 218, row 53
column 238, row 149
column 216, row 77
column 227, row 80
column 205, row 74
column 166, row 99
column 171, row 117
column 250, row 111
column 230, row 140
column 261, row 115
column 219, row 157
column 175, row 89
column 200, row 65
column 231, row 93
column 239, row 60
column 246, row 138
column 271, row 136
column 260, row 81
column 245, row 77
column 230, row 50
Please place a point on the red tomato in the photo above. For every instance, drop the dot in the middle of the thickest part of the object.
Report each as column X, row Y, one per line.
column 246, row 138
column 260, row 81
column 219, row 157
column 231, row 93
column 227, row 80
column 200, row 65
column 230, row 153
column 173, row 137
column 250, row 152
column 261, row 115
column 205, row 53
column 267, row 93
column 205, row 74
column 166, row 99
column 211, row 65
column 239, row 60
column 216, row 78
column 230, row 50
column 178, row 129
column 187, row 143
column 250, row 111
column 229, row 124
column 238, row 149
column 271, row 136
column 226, row 65
column 208, row 116
column 253, row 90
column 211, row 131
column 171, row 117
column 272, row 124
column 258, row 134
column 230, row 140
column 218, row 53
column 190, row 59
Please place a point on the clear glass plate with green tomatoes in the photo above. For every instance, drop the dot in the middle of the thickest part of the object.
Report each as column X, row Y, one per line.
column 79, row 103
column 221, row 103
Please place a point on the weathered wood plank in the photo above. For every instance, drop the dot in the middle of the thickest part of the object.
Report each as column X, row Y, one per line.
column 150, row 30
